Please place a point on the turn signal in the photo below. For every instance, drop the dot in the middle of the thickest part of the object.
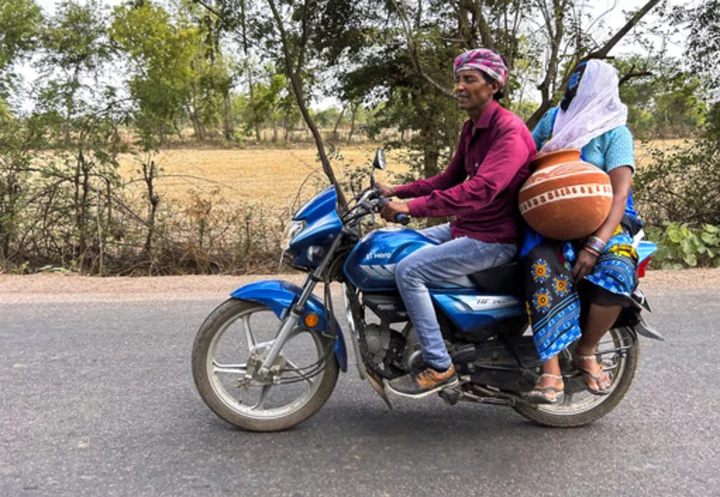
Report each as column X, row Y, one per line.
column 311, row 320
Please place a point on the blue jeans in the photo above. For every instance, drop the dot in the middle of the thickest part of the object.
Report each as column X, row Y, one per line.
column 452, row 260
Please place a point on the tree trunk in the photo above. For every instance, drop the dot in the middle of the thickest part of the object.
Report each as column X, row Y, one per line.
column 430, row 162
column 555, row 25
column 197, row 127
column 228, row 127
column 250, row 75
column 82, row 190
column 76, row 198
column 352, row 123
column 194, row 114
column 258, row 137
column 337, row 123
column 149, row 175
column 161, row 133
column 557, row 16
column 464, row 30
column 430, row 169
column 66, row 127
column 298, row 90
column 7, row 213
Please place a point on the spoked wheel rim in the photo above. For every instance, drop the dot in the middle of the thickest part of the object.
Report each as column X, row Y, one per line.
column 220, row 372
column 578, row 399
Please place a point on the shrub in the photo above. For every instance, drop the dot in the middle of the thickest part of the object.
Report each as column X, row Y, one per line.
column 682, row 185
column 681, row 245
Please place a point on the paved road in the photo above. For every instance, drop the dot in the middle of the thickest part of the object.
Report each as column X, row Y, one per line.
column 97, row 400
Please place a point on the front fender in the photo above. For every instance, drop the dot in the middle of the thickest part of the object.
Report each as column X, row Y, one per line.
column 280, row 295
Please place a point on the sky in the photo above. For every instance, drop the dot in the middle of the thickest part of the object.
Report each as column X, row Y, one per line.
column 614, row 20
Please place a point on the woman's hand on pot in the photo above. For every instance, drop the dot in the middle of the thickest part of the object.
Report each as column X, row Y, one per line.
column 584, row 265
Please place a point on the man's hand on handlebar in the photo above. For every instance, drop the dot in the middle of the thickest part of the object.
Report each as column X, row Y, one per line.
column 392, row 209
column 385, row 191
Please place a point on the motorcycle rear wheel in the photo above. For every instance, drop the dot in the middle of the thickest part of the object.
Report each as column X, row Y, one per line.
column 229, row 402
column 581, row 407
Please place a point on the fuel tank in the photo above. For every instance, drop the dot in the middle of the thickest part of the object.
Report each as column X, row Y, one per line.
column 371, row 264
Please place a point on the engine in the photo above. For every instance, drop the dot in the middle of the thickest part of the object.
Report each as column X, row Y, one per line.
column 385, row 347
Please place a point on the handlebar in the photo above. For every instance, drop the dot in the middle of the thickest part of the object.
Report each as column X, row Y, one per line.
column 403, row 219
column 371, row 200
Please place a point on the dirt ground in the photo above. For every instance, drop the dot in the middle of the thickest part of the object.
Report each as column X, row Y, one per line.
column 56, row 288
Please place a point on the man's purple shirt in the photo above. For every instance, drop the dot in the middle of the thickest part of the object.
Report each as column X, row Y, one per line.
column 496, row 157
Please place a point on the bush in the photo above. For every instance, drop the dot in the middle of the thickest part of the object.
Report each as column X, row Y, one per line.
column 681, row 245
column 682, row 185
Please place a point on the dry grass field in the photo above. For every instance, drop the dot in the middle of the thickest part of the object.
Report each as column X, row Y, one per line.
column 269, row 177
column 642, row 152
column 262, row 176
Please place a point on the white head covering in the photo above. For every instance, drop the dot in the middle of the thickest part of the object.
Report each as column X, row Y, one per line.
column 595, row 109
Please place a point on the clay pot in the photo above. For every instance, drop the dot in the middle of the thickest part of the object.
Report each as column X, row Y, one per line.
column 565, row 198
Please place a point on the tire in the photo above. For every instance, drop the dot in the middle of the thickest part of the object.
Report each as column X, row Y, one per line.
column 219, row 319
column 544, row 415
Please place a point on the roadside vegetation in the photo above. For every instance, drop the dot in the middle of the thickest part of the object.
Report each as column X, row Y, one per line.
column 178, row 137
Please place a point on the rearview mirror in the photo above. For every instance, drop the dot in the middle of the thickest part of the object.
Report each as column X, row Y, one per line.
column 379, row 162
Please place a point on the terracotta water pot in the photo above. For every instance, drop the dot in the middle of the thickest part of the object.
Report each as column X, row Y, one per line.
column 565, row 198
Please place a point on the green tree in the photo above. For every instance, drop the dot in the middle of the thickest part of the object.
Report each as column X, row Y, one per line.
column 287, row 32
column 327, row 117
column 74, row 46
column 399, row 53
column 162, row 57
column 20, row 22
column 684, row 183
column 178, row 68
column 680, row 111
column 80, row 117
column 663, row 101
column 266, row 103
column 702, row 22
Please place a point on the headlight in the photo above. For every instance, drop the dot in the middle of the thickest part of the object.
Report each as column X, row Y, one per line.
column 293, row 229
column 315, row 253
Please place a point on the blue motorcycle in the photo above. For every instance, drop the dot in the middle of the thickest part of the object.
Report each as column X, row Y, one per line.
column 268, row 358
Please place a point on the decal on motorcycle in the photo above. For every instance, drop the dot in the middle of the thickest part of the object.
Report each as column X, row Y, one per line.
column 382, row 271
column 486, row 302
column 377, row 255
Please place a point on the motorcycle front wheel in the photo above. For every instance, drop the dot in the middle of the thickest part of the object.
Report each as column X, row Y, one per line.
column 581, row 407
column 304, row 374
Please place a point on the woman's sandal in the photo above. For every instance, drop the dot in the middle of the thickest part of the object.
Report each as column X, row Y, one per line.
column 577, row 358
column 542, row 395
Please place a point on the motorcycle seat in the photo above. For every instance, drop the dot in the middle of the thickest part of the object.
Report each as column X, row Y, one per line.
column 505, row 279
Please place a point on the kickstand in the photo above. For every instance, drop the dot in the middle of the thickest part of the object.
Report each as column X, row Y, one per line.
column 379, row 387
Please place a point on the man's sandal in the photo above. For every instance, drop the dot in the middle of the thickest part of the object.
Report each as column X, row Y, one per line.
column 577, row 358
column 543, row 395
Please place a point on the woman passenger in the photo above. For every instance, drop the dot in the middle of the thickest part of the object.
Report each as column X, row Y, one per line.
column 602, row 267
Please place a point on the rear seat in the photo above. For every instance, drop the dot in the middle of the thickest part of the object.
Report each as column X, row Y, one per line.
column 505, row 279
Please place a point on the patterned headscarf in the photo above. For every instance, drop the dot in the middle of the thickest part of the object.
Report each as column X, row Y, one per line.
column 484, row 60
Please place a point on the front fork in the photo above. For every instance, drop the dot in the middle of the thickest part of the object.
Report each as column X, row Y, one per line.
column 297, row 310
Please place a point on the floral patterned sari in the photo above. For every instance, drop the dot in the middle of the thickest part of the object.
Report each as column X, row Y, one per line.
column 552, row 299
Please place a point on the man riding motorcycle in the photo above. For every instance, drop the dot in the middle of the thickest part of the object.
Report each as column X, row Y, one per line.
column 494, row 154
